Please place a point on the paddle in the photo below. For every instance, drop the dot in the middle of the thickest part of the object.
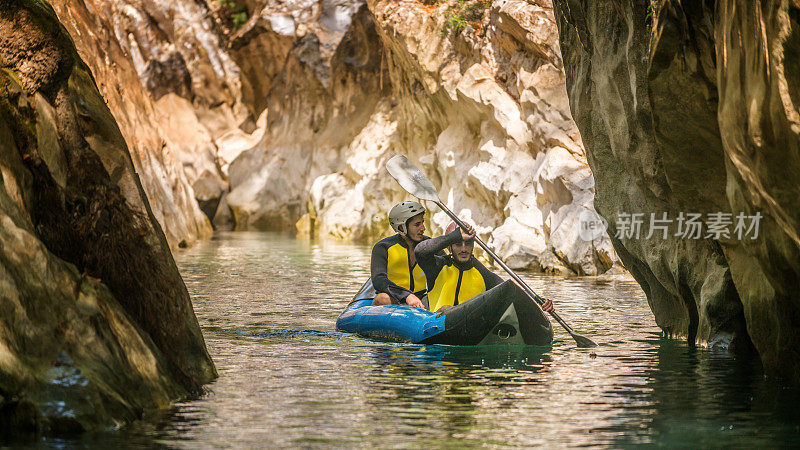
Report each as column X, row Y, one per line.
column 415, row 182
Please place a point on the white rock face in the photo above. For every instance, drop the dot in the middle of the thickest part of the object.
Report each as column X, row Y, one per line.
column 339, row 88
column 270, row 182
column 350, row 204
column 193, row 145
column 486, row 116
column 484, row 113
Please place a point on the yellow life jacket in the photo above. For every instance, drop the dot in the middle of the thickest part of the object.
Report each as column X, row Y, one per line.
column 453, row 287
column 400, row 271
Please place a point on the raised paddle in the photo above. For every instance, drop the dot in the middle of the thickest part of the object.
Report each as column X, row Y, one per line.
column 415, row 182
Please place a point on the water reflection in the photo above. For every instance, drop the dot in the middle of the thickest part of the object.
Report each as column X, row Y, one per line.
column 705, row 398
column 267, row 305
column 440, row 393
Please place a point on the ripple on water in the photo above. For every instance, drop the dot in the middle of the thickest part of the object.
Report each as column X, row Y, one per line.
column 268, row 304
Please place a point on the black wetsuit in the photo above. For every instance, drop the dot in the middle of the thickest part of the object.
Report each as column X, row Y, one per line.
column 449, row 281
column 392, row 271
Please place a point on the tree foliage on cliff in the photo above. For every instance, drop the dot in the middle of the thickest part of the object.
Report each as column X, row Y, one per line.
column 232, row 14
column 461, row 13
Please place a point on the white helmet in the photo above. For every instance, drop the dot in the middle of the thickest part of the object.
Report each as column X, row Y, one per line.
column 399, row 215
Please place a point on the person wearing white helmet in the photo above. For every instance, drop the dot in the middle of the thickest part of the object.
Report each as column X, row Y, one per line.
column 395, row 274
column 455, row 278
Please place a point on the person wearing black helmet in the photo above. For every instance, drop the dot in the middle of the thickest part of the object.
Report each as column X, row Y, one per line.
column 459, row 276
column 395, row 274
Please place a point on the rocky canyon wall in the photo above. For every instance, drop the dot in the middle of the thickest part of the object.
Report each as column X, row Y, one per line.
column 481, row 109
column 105, row 34
column 283, row 118
column 692, row 107
column 96, row 326
column 188, row 87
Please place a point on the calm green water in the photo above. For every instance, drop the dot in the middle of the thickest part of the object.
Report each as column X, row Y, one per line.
column 268, row 306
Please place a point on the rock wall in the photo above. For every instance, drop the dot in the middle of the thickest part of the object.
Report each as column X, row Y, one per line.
column 127, row 52
column 284, row 117
column 318, row 106
column 97, row 326
column 189, row 88
column 692, row 107
column 483, row 111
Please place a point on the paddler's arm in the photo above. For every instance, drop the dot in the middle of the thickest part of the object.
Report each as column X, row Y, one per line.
column 429, row 255
column 380, row 278
column 426, row 250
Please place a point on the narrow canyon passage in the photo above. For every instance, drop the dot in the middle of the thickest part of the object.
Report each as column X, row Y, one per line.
column 190, row 188
column 287, row 378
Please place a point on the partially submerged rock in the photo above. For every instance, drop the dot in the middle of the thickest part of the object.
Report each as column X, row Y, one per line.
column 97, row 324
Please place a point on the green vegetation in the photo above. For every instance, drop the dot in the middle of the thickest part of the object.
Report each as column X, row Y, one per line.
column 652, row 11
column 232, row 14
column 462, row 12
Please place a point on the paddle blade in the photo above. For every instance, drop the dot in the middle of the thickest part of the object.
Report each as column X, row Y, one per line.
column 411, row 178
column 583, row 341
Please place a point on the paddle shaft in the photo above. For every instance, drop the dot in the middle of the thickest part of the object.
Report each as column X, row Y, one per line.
column 508, row 270
column 418, row 185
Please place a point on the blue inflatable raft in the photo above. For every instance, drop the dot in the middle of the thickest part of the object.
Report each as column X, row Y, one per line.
column 502, row 315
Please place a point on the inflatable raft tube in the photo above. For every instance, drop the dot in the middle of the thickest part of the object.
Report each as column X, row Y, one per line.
column 501, row 315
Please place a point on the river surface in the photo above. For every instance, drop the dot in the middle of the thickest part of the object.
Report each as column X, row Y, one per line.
column 268, row 304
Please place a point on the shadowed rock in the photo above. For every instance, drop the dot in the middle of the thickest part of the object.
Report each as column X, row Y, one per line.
column 97, row 325
column 696, row 110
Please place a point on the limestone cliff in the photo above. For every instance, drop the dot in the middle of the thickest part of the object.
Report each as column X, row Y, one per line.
column 264, row 113
column 105, row 34
column 188, row 87
column 96, row 326
column 692, row 107
column 481, row 109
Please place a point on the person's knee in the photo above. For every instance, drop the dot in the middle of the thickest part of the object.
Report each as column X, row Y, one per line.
column 382, row 299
